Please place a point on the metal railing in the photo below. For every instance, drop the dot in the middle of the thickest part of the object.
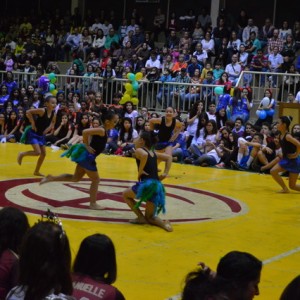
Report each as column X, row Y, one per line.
column 281, row 84
column 157, row 95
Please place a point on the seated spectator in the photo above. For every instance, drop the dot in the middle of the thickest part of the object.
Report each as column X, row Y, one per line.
column 238, row 128
column 247, row 152
column 193, row 66
column 172, row 40
column 200, row 54
column 13, row 226
column 95, row 265
column 208, row 45
column 233, row 69
column 127, row 135
column 217, row 71
column 180, row 64
column 45, row 264
column 153, row 61
column 289, row 49
column 252, row 46
column 275, row 40
column 284, row 31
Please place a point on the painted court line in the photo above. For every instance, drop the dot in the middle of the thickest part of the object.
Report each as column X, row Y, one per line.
column 265, row 262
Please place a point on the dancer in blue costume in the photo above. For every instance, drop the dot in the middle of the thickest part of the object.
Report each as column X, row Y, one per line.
column 149, row 189
column 291, row 160
column 94, row 141
column 42, row 121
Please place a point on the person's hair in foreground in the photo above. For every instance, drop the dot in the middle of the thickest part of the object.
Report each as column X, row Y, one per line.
column 243, row 270
column 202, row 285
column 13, row 226
column 45, row 263
column 97, row 258
column 292, row 290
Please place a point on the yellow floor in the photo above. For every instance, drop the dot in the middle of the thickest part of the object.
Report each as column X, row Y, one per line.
column 216, row 211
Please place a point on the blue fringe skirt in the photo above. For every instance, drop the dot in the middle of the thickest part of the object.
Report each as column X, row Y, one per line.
column 291, row 165
column 151, row 190
column 79, row 154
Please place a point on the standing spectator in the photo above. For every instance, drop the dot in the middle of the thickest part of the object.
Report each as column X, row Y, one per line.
column 248, row 29
column 204, row 19
column 158, row 24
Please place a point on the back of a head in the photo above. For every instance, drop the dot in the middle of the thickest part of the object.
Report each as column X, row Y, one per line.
column 45, row 261
column 13, row 226
column 150, row 138
column 239, row 267
column 200, row 285
column 292, row 291
column 97, row 258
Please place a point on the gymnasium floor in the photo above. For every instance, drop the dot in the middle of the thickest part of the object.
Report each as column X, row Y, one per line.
column 213, row 211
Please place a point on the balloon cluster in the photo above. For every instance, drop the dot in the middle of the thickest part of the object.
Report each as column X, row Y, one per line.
column 46, row 83
column 131, row 88
column 264, row 111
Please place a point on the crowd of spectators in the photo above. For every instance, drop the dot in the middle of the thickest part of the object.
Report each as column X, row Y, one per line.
column 192, row 52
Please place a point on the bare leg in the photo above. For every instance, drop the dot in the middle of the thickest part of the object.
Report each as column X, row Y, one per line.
column 94, row 176
column 270, row 164
column 35, row 152
column 40, row 161
column 152, row 219
column 78, row 174
column 292, row 182
column 129, row 196
column 275, row 174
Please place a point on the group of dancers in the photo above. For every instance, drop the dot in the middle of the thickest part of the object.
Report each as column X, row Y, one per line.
column 150, row 149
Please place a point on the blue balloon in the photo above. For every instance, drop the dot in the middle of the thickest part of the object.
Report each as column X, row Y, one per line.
column 262, row 114
column 270, row 112
column 135, row 85
column 43, row 83
column 219, row 90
